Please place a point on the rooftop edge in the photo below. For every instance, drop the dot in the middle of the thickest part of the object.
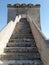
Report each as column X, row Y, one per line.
column 22, row 5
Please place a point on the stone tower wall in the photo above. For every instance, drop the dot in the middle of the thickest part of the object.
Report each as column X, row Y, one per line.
column 24, row 10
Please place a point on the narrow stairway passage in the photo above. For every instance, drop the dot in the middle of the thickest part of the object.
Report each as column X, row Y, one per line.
column 22, row 46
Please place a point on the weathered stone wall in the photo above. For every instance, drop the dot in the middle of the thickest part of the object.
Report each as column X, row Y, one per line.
column 33, row 12
column 6, row 33
column 40, row 42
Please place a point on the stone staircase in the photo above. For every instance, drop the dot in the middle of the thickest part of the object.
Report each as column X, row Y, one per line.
column 22, row 46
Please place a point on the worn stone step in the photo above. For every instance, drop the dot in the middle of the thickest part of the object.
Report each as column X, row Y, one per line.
column 38, row 60
column 19, row 37
column 19, row 41
column 21, row 44
column 20, row 32
column 22, row 40
column 26, row 62
column 22, row 26
column 23, row 19
column 22, row 36
column 20, row 56
column 24, row 22
column 23, row 32
column 23, row 29
column 21, row 49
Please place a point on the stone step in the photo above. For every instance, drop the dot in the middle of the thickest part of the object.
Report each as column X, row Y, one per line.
column 21, row 37
column 27, row 62
column 21, row 44
column 19, row 56
column 24, row 28
column 23, row 23
column 38, row 60
column 22, row 34
column 22, row 40
column 20, row 49
column 15, row 37
column 23, row 19
column 20, row 27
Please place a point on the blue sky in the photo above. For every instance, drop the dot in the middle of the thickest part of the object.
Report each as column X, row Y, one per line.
column 44, row 13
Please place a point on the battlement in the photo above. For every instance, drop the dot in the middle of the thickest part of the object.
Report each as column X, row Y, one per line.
column 22, row 5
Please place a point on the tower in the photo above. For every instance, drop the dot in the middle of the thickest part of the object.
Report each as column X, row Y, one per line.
column 24, row 10
column 22, row 42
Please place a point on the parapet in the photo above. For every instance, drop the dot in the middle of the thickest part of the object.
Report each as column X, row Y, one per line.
column 23, row 5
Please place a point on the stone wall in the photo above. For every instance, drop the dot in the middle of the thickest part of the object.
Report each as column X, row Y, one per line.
column 33, row 12
column 40, row 42
column 6, row 33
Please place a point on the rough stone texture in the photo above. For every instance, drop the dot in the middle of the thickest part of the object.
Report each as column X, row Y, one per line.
column 33, row 12
column 40, row 42
column 27, row 55
column 6, row 33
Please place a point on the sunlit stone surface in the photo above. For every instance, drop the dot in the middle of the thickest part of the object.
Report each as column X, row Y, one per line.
column 22, row 40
